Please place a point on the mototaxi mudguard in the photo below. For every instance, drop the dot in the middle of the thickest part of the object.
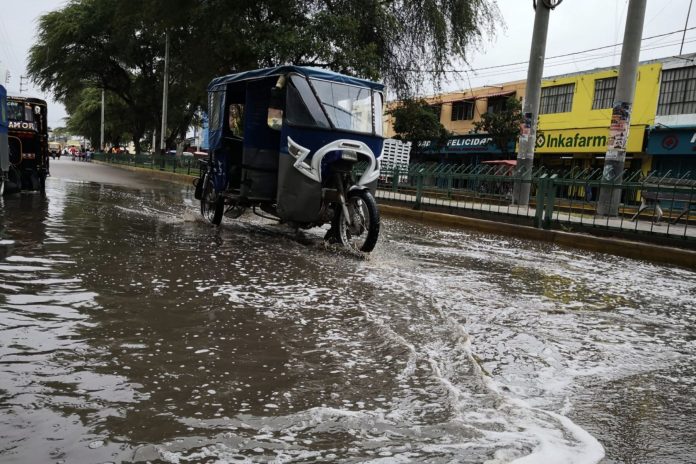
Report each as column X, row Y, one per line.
column 299, row 197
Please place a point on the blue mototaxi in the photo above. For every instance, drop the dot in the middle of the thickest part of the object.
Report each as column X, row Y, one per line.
column 284, row 142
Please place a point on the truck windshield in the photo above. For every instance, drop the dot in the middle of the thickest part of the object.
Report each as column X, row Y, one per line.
column 19, row 111
column 348, row 107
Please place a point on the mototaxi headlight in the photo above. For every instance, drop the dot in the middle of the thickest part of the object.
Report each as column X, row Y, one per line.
column 349, row 155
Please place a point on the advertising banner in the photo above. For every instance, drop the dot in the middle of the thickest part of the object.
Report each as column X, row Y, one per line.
column 679, row 141
column 471, row 143
column 593, row 140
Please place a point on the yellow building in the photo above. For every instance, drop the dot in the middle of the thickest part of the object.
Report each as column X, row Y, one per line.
column 574, row 115
column 575, row 112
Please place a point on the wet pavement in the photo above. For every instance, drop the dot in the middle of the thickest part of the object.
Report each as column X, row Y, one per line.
column 131, row 331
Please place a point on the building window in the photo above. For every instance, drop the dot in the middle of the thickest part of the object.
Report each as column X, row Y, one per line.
column 463, row 110
column 604, row 90
column 497, row 104
column 437, row 110
column 677, row 92
column 556, row 99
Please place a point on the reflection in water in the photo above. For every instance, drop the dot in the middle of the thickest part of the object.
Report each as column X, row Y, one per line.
column 133, row 331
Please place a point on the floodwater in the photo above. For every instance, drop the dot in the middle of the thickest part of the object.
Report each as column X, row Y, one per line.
column 131, row 331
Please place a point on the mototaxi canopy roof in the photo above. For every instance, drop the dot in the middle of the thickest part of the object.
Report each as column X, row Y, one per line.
column 240, row 87
column 219, row 83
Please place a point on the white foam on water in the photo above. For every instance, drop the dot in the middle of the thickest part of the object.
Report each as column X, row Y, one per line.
column 551, row 449
column 149, row 212
column 533, row 434
column 32, row 259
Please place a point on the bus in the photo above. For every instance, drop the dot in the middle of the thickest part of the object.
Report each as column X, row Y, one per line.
column 27, row 127
column 4, row 147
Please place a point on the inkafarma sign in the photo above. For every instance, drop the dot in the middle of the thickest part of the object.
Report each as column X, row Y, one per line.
column 592, row 140
column 577, row 141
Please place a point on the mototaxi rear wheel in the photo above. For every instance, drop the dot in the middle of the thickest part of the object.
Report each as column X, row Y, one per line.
column 212, row 204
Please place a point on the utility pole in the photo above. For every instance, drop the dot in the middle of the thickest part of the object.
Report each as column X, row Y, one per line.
column 165, row 94
column 530, row 109
column 101, row 134
column 615, row 158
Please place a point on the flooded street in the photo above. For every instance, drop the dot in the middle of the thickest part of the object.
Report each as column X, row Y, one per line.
column 131, row 331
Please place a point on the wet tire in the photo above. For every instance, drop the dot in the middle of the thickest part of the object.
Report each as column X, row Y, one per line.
column 13, row 181
column 212, row 204
column 34, row 181
column 362, row 232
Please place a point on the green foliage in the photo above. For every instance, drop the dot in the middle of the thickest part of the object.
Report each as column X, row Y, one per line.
column 503, row 126
column 416, row 121
column 85, row 117
column 118, row 45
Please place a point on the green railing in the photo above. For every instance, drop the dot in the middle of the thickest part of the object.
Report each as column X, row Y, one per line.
column 181, row 165
column 654, row 203
column 661, row 204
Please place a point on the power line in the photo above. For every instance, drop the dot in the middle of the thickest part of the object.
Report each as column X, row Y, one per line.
column 432, row 71
column 579, row 60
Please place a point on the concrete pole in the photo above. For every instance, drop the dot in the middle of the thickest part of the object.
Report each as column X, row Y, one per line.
column 615, row 158
column 165, row 95
column 101, row 133
column 530, row 109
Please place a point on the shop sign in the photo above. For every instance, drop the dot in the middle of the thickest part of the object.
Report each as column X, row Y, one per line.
column 594, row 140
column 21, row 125
column 473, row 143
column 672, row 142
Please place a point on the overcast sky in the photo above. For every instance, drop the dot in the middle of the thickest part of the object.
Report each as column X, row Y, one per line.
column 574, row 26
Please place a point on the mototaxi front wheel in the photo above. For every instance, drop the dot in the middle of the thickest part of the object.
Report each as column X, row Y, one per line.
column 361, row 229
column 212, row 204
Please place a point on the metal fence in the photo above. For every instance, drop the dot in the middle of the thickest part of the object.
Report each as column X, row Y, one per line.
column 659, row 204
column 654, row 204
column 183, row 165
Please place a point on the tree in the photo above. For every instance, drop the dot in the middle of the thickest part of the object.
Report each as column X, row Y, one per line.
column 502, row 126
column 118, row 45
column 415, row 120
column 85, row 117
